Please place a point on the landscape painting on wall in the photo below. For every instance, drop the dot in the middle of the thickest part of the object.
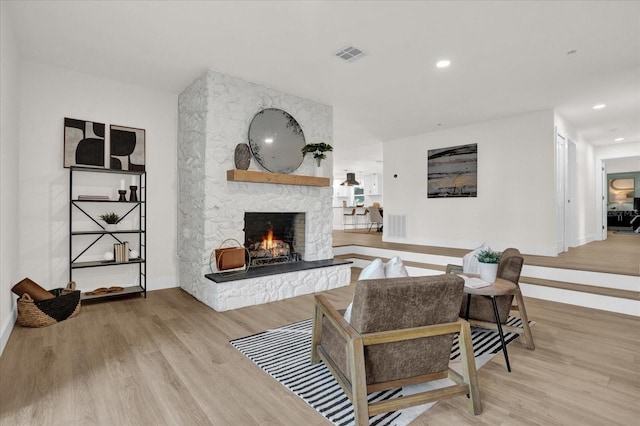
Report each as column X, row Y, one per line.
column 453, row 171
column 83, row 143
column 127, row 146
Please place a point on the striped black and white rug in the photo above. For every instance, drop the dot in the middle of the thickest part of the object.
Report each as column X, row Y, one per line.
column 284, row 353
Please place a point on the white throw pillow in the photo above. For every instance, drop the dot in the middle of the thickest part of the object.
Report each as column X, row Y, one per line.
column 394, row 268
column 470, row 264
column 373, row 271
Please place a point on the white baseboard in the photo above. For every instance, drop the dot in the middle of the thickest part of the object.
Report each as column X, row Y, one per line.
column 162, row 283
column 7, row 328
column 584, row 240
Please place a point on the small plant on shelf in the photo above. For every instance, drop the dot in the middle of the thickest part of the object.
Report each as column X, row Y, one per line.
column 318, row 150
column 488, row 256
column 111, row 218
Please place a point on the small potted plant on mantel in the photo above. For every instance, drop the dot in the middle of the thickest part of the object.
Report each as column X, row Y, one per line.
column 111, row 219
column 488, row 262
column 318, row 150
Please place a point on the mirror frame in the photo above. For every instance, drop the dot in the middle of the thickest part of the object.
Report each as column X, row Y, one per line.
column 287, row 140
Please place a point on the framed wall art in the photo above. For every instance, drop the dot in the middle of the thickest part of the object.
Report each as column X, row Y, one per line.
column 621, row 190
column 126, row 148
column 84, row 143
column 453, row 171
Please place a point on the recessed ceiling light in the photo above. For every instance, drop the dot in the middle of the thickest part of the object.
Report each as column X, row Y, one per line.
column 443, row 63
column 618, row 139
column 599, row 106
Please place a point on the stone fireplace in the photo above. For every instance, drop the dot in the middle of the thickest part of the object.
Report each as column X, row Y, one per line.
column 214, row 115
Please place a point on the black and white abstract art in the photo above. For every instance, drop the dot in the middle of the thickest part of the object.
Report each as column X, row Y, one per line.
column 126, row 148
column 453, row 171
column 83, row 143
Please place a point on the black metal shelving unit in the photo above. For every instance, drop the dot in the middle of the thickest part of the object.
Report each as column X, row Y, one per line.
column 137, row 207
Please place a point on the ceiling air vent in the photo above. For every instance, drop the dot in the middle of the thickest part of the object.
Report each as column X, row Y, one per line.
column 349, row 53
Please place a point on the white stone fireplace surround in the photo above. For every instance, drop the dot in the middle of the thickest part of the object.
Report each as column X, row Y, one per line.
column 214, row 116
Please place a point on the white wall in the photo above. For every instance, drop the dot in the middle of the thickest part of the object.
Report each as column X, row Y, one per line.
column 9, row 135
column 582, row 225
column 584, row 218
column 623, row 165
column 48, row 94
column 515, row 206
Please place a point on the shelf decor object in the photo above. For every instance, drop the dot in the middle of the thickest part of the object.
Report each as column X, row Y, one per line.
column 133, row 196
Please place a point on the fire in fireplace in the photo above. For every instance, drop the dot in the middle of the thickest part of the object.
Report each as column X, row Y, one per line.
column 274, row 238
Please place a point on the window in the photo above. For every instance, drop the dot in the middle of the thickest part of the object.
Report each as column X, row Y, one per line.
column 358, row 195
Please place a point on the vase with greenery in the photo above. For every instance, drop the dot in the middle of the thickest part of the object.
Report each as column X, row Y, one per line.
column 488, row 262
column 318, row 150
column 111, row 219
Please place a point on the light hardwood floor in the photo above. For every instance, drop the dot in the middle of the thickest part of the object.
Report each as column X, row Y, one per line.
column 166, row 360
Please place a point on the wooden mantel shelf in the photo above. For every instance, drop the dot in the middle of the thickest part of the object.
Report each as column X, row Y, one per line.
column 277, row 178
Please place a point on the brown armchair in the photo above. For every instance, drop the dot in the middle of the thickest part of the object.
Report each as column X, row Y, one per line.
column 401, row 333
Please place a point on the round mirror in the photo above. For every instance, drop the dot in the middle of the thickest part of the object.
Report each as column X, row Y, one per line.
column 276, row 140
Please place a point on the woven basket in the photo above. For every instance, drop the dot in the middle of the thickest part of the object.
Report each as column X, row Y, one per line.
column 65, row 304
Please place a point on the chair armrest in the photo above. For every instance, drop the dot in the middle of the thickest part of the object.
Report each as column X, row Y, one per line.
column 336, row 320
column 412, row 333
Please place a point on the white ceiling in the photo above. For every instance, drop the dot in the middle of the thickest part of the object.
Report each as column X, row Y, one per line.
column 507, row 58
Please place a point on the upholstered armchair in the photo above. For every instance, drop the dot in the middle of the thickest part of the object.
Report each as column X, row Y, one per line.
column 401, row 333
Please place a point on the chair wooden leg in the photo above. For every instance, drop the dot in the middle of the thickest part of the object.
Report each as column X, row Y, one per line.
column 358, row 382
column 315, row 337
column 469, row 369
column 525, row 321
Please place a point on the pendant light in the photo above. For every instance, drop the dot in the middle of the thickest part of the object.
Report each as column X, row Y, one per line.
column 351, row 180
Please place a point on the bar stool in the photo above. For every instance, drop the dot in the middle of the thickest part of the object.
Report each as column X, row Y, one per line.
column 346, row 217
column 362, row 215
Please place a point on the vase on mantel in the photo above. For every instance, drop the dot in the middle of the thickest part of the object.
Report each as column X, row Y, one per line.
column 242, row 156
